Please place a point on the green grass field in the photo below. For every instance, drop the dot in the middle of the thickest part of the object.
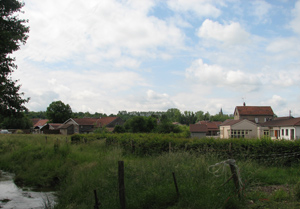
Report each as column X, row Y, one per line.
column 76, row 170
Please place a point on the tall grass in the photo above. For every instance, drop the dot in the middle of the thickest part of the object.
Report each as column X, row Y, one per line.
column 76, row 170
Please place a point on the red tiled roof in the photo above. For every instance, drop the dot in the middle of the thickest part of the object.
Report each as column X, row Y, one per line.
column 41, row 122
column 284, row 122
column 34, row 120
column 255, row 110
column 86, row 121
column 95, row 121
column 107, row 120
column 211, row 125
column 198, row 128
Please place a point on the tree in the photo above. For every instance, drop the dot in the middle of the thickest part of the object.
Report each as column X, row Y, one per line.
column 13, row 33
column 173, row 114
column 141, row 124
column 58, row 112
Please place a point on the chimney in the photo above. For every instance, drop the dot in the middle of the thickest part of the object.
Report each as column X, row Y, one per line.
column 244, row 103
column 290, row 113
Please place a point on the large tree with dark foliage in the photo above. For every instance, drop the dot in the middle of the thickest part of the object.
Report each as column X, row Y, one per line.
column 13, row 33
column 58, row 112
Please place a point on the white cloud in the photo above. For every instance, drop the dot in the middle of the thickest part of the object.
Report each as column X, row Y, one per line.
column 230, row 34
column 215, row 75
column 201, row 8
column 261, row 10
column 107, row 27
column 93, row 89
column 284, row 45
column 295, row 23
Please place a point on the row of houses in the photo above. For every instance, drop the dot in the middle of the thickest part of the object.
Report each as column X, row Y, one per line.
column 76, row 125
column 248, row 122
column 252, row 122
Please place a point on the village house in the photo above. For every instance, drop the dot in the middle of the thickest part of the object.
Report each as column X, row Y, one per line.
column 38, row 124
column 87, row 125
column 51, row 128
column 257, row 114
column 247, row 122
column 283, row 128
column 198, row 130
column 212, row 127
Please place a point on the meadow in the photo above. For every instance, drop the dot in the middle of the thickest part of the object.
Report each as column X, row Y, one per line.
column 78, row 166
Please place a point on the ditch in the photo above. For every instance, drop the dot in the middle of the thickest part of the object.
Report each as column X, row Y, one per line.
column 12, row 196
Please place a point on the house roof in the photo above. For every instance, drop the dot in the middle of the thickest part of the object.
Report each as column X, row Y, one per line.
column 107, row 120
column 93, row 121
column 198, row 128
column 34, row 120
column 55, row 125
column 283, row 118
column 211, row 125
column 254, row 110
column 64, row 126
column 86, row 121
column 229, row 122
column 283, row 122
column 40, row 122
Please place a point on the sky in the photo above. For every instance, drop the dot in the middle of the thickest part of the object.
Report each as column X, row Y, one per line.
column 152, row 55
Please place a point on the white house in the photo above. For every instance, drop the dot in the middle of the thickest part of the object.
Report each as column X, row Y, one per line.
column 286, row 128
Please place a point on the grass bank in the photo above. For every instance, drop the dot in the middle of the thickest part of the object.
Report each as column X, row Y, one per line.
column 76, row 170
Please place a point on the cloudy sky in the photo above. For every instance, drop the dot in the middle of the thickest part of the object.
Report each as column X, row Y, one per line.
column 151, row 55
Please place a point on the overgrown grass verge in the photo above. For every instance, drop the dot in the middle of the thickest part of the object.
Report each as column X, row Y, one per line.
column 76, row 170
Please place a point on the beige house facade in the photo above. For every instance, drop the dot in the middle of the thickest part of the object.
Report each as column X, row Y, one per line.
column 239, row 129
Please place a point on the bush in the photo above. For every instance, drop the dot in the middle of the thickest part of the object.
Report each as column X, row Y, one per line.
column 75, row 138
column 19, row 132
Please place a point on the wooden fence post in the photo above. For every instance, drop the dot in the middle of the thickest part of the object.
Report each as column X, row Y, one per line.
column 96, row 200
column 121, row 185
column 175, row 182
column 235, row 177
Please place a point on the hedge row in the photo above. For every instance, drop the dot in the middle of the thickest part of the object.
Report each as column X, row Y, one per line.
column 268, row 151
column 264, row 150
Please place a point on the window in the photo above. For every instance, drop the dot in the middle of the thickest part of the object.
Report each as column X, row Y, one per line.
column 256, row 120
column 282, row 132
column 266, row 133
column 239, row 133
column 286, row 132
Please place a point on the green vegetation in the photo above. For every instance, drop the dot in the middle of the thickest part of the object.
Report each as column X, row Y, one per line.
column 75, row 169
column 13, row 34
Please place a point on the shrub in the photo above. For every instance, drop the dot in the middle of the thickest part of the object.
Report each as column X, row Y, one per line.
column 75, row 138
column 19, row 132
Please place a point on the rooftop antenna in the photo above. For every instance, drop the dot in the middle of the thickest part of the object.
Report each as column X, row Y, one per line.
column 244, row 103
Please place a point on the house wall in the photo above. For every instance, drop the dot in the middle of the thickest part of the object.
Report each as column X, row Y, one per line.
column 263, row 132
column 297, row 129
column 224, row 132
column 67, row 131
column 256, row 119
column 85, row 128
column 287, row 133
column 246, row 125
column 273, row 131
column 198, row 135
